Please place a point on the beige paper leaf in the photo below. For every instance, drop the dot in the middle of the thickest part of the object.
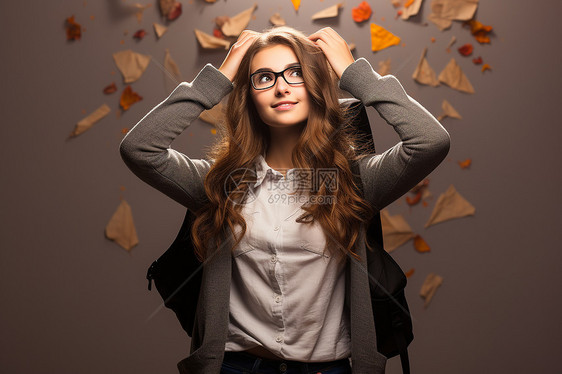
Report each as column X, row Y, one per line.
column 384, row 67
column 412, row 10
column 209, row 41
column 429, row 287
column 424, row 74
column 448, row 111
column 159, row 29
column 396, row 231
column 328, row 12
column 171, row 66
column 277, row 20
column 450, row 205
column 131, row 64
column 121, row 227
column 236, row 24
column 454, row 77
column 87, row 122
column 453, row 40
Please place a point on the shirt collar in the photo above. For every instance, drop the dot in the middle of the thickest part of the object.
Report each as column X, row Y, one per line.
column 263, row 169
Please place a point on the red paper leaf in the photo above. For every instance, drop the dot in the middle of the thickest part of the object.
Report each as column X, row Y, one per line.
column 139, row 34
column 477, row 60
column 73, row 29
column 466, row 50
column 175, row 12
column 110, row 89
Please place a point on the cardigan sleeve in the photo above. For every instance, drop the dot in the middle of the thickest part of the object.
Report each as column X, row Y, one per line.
column 424, row 143
column 146, row 147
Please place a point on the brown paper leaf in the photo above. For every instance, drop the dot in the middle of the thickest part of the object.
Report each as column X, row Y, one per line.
column 450, row 205
column 131, row 64
column 454, row 77
column 429, row 287
column 424, row 74
column 128, row 98
column 209, row 41
column 421, row 245
column 214, row 116
column 396, row 231
column 121, row 227
column 328, row 12
column 87, row 122
column 235, row 25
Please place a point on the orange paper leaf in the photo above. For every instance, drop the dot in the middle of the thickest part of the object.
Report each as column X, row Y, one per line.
column 486, row 67
column 296, row 4
column 73, row 30
column 420, row 245
column 409, row 273
column 416, row 199
column 466, row 50
column 362, row 12
column 128, row 98
column 479, row 31
column 408, row 3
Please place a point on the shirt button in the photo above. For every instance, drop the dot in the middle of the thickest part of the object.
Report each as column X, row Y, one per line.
column 283, row 367
column 276, row 228
column 277, row 299
column 274, row 259
column 279, row 339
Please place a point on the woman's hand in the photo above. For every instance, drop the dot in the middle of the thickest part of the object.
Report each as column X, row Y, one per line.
column 232, row 60
column 335, row 49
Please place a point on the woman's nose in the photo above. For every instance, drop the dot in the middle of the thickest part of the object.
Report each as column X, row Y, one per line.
column 281, row 86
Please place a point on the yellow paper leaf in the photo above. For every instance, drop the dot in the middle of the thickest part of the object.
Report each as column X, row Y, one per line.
column 296, row 4
column 382, row 38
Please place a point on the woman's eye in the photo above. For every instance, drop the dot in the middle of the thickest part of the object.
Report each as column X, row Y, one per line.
column 264, row 78
column 296, row 72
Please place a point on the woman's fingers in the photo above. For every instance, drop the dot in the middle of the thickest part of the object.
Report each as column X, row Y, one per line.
column 229, row 66
column 335, row 49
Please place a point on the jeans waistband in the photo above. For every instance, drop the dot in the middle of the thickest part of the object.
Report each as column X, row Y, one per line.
column 250, row 362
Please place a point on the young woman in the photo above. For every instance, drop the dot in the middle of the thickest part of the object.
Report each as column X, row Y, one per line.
column 279, row 225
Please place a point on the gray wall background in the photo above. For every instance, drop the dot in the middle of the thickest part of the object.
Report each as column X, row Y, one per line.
column 75, row 302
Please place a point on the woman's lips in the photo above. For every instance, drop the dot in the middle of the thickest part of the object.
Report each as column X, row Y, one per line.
column 285, row 105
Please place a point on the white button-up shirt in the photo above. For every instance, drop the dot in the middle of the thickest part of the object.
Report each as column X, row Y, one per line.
column 286, row 294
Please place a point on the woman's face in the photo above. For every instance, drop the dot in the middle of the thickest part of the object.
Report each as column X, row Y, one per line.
column 284, row 104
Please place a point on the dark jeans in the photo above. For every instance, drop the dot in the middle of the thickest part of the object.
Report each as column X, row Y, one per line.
column 245, row 363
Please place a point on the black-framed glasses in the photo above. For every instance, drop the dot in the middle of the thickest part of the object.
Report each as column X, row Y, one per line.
column 262, row 80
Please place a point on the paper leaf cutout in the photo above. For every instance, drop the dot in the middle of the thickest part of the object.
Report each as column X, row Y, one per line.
column 466, row 50
column 396, row 231
column 296, row 4
column 453, row 40
column 109, row 89
column 421, row 245
column 209, row 41
column 140, row 34
column 384, row 67
column 479, row 31
column 382, row 38
column 410, row 272
column 171, row 9
column 121, row 227
column 486, row 67
column 448, row 111
column 128, row 98
column 214, row 116
column 429, row 287
column 424, row 74
column 450, row 205
column 171, row 66
column 411, row 8
column 87, row 122
column 454, row 77
column 478, row 60
column 362, row 12
column 159, row 29
column 465, row 164
column 328, row 12
column 73, row 29
column 131, row 64
column 277, row 20
column 140, row 9
column 235, row 25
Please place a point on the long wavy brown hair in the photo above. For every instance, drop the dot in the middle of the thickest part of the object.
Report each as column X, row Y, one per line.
column 326, row 141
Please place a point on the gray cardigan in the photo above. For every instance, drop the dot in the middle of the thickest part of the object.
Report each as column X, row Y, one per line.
column 387, row 176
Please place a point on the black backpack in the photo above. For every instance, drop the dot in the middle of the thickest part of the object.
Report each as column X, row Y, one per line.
column 177, row 273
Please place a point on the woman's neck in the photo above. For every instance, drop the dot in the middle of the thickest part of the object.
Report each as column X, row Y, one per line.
column 282, row 142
